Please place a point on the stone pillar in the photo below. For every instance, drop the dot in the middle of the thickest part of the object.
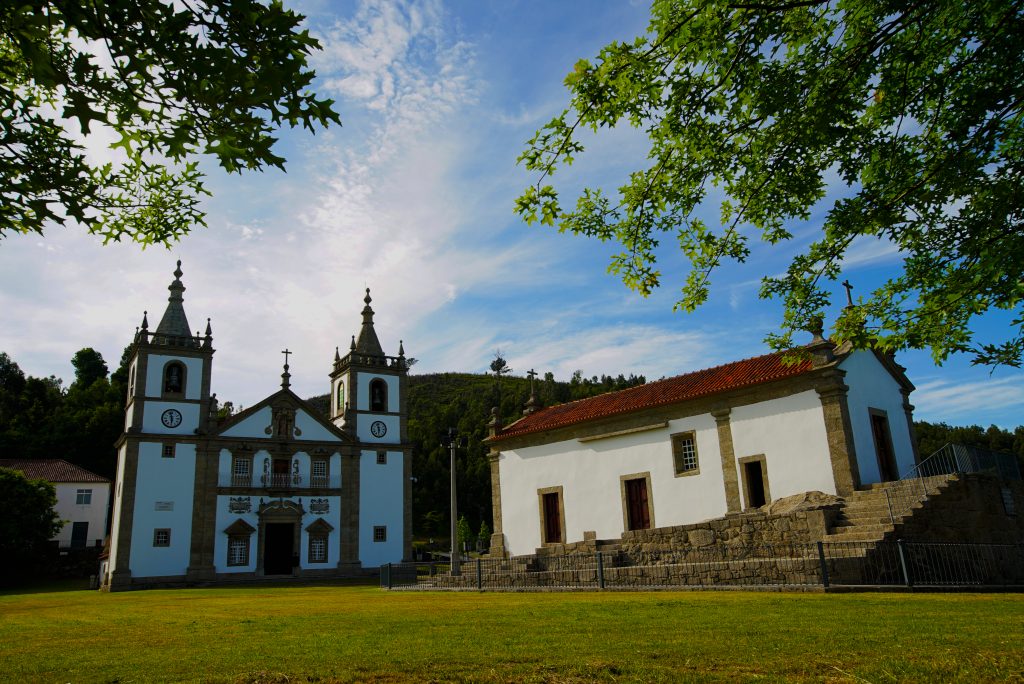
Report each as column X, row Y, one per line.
column 728, row 458
column 204, row 514
column 908, row 409
column 497, row 547
column 348, row 560
column 839, row 433
column 121, row 576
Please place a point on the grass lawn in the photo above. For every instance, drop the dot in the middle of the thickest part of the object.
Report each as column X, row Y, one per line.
column 361, row 633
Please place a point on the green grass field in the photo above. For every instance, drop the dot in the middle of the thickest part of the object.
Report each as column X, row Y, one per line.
column 361, row 633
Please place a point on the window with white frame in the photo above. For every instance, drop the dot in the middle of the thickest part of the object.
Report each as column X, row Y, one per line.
column 241, row 475
column 684, row 453
column 83, row 497
column 238, row 549
column 317, row 548
column 319, row 474
column 162, row 537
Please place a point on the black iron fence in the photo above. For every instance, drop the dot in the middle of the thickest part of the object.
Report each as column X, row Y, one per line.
column 900, row 564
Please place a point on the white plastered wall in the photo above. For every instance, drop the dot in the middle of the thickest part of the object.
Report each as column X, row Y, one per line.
column 115, row 522
column 155, row 374
column 311, row 429
column 165, row 480
column 790, row 432
column 363, row 391
column 381, row 492
column 872, row 386
column 94, row 513
column 254, row 426
column 590, row 475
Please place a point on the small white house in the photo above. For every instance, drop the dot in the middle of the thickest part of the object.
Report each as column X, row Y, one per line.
column 82, row 498
column 700, row 446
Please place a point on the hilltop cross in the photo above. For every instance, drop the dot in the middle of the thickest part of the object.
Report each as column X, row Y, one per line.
column 531, row 374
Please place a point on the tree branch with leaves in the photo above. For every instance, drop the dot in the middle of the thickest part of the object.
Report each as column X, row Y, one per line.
column 907, row 117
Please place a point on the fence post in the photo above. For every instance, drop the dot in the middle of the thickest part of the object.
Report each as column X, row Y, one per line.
column 824, row 565
column 903, row 564
column 479, row 577
column 600, row 570
column 387, row 572
column 888, row 502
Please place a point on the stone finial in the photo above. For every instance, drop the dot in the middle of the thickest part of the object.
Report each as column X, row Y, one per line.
column 352, row 347
column 494, row 425
column 401, row 349
column 209, row 328
column 368, row 343
column 820, row 349
column 145, row 321
column 337, row 356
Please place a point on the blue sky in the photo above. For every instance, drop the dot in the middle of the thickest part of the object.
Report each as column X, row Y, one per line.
column 413, row 198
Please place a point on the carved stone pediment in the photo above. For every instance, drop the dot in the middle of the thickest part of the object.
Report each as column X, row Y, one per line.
column 239, row 527
column 281, row 508
column 319, row 526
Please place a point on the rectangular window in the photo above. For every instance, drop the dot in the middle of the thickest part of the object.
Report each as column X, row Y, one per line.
column 238, row 549
column 240, row 474
column 684, row 453
column 83, row 497
column 317, row 548
column 168, row 451
column 163, row 506
column 162, row 536
column 380, row 533
column 382, row 458
column 319, row 478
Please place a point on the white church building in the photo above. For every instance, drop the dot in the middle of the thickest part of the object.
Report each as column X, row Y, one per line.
column 275, row 491
column 699, row 446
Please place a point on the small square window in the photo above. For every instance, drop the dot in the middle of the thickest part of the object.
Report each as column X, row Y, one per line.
column 83, row 497
column 168, row 451
column 382, row 458
column 162, row 537
column 380, row 533
column 684, row 453
column 317, row 548
column 238, row 549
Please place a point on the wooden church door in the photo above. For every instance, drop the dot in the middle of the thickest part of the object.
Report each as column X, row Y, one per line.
column 636, row 504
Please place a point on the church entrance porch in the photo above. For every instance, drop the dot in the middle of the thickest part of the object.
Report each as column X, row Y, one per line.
column 278, row 548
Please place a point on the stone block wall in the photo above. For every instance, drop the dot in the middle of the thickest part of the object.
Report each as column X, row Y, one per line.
column 971, row 509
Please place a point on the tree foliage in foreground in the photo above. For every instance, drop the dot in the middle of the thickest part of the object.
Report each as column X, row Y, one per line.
column 172, row 80
column 27, row 524
column 910, row 112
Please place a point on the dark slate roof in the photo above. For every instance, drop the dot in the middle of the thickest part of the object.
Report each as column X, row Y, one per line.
column 51, row 470
column 702, row 383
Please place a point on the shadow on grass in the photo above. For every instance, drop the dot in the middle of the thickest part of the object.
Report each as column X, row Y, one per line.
column 45, row 586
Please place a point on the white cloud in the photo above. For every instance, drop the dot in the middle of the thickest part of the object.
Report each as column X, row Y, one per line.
column 943, row 399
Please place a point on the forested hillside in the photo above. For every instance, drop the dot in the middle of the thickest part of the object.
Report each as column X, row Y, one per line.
column 44, row 418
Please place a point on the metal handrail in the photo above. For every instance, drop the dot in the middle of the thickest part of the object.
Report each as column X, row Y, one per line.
column 952, row 459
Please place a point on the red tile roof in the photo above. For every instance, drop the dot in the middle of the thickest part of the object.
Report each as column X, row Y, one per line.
column 51, row 470
column 702, row 383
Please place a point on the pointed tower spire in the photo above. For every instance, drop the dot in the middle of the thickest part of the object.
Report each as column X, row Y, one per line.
column 368, row 343
column 174, row 323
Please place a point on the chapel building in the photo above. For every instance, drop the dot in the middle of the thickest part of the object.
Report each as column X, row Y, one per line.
column 700, row 446
column 277, row 490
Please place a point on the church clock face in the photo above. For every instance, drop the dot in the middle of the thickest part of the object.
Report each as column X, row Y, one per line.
column 171, row 418
column 378, row 428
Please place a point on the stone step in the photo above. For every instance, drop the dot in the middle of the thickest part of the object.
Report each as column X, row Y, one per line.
column 878, row 529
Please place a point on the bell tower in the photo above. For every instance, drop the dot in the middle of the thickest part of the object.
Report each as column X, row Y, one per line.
column 169, row 374
column 368, row 401
column 368, row 387
column 167, row 413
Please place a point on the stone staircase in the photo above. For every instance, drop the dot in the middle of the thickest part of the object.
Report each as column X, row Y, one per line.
column 877, row 512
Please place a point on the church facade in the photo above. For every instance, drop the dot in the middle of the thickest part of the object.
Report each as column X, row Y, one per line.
column 275, row 491
column 699, row 446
